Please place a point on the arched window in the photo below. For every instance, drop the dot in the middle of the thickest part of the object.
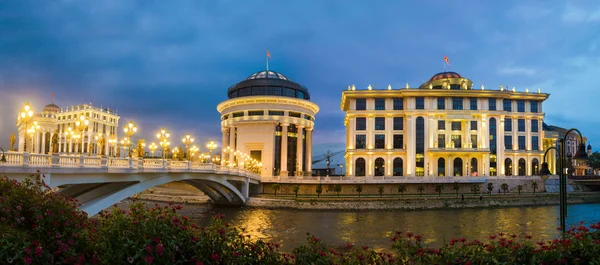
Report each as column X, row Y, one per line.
column 493, row 166
column 522, row 167
column 473, row 170
column 420, row 147
column 441, row 166
column 508, row 167
column 535, row 167
column 359, row 167
column 379, row 167
column 458, row 167
column 398, row 166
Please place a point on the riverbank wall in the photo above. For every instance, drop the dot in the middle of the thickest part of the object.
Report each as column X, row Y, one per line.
column 417, row 203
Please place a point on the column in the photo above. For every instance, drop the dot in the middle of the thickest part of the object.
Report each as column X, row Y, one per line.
column 284, row 148
column 449, row 170
column 410, row 146
column 106, row 144
column 500, row 147
column 224, row 144
column 70, row 145
column 351, row 133
column 22, row 140
column 89, row 142
column 309, row 152
column 528, row 134
column 370, row 132
column 231, row 143
column 389, row 128
column 51, row 148
column 299, row 151
column 43, row 150
column 37, row 143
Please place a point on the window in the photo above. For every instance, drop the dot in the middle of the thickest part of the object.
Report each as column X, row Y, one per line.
column 534, row 106
column 492, row 146
column 521, row 125
column 294, row 114
column 380, row 104
column 456, row 126
column 420, row 103
column 535, row 146
column 441, row 125
column 361, row 104
column 473, row 140
column 507, row 124
column 441, row 103
column 522, row 167
column 238, row 114
column 361, row 123
column 361, row 141
column 398, row 123
column 441, row 142
column 441, row 167
column 473, row 125
column 508, row 142
column 379, row 167
column 398, row 103
column 359, row 165
column 420, row 146
column 473, row 104
column 508, row 167
column 492, row 104
column 457, row 103
column 379, row 123
column 398, row 141
column 457, row 140
column 534, row 125
column 507, row 105
column 256, row 112
column 520, row 105
column 398, row 166
column 379, row 141
column 521, row 140
column 535, row 164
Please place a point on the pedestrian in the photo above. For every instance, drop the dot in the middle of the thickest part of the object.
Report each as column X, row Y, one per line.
column 480, row 197
column 463, row 197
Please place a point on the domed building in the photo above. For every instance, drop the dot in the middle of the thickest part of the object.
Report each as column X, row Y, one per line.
column 445, row 127
column 270, row 118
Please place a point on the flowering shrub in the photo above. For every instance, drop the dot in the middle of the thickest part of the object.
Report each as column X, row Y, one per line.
column 39, row 226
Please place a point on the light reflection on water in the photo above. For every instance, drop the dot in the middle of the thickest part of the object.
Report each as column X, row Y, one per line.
column 374, row 228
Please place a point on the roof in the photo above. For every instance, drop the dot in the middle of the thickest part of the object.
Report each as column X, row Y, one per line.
column 268, row 83
column 443, row 75
column 51, row 108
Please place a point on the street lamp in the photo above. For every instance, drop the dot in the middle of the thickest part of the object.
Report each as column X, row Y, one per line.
column 187, row 140
column 211, row 145
column 3, row 157
column 25, row 115
column 580, row 156
column 163, row 136
column 112, row 141
column 129, row 130
column 193, row 151
column 126, row 142
column 34, row 127
column 81, row 125
column 152, row 147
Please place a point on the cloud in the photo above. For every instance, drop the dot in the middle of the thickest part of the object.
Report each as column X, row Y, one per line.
column 515, row 70
column 574, row 14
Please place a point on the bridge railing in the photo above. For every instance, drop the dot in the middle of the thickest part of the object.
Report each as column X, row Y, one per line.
column 14, row 159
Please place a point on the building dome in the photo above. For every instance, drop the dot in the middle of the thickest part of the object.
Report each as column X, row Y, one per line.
column 52, row 108
column 268, row 83
column 447, row 80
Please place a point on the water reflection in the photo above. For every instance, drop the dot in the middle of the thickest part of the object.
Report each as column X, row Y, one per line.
column 373, row 228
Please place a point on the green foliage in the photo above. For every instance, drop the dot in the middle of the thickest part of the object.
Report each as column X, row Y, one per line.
column 319, row 190
column 490, row 187
column 401, row 189
column 456, row 187
column 296, row 189
column 594, row 160
column 504, row 187
column 534, row 186
column 475, row 189
column 439, row 188
column 276, row 188
column 420, row 188
column 380, row 190
column 359, row 189
column 337, row 188
column 519, row 189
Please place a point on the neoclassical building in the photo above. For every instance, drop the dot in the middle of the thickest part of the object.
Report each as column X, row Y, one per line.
column 270, row 118
column 445, row 127
column 55, row 123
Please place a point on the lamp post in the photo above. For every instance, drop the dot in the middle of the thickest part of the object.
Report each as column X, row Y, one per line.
column 25, row 115
column 3, row 157
column 211, row 145
column 580, row 156
column 152, row 147
column 187, row 141
column 163, row 136
column 112, row 141
column 68, row 134
column 193, row 151
column 129, row 130
column 81, row 125
column 34, row 127
column 100, row 138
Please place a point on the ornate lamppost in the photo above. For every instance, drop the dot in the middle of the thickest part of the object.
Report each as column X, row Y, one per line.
column 3, row 157
column 152, row 147
column 129, row 130
column 126, row 142
column 68, row 134
column 26, row 115
column 211, row 145
column 580, row 156
column 112, row 142
column 163, row 136
column 31, row 131
column 187, row 141
column 81, row 124
column 193, row 151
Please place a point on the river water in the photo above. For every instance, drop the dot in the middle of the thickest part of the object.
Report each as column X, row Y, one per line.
column 374, row 228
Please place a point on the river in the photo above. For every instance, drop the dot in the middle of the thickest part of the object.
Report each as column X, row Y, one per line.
column 374, row 228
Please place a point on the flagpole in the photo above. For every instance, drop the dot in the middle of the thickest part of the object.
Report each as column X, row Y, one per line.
column 267, row 64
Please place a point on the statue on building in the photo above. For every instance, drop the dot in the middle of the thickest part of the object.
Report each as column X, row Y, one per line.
column 119, row 152
column 12, row 141
column 140, row 148
column 55, row 143
column 101, row 143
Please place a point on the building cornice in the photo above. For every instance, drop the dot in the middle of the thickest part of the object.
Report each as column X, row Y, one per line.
column 267, row 100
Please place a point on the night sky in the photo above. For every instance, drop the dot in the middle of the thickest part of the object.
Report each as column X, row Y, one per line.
column 169, row 63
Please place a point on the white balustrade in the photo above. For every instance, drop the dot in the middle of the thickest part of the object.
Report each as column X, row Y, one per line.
column 118, row 162
column 179, row 164
column 68, row 161
column 152, row 163
column 13, row 159
column 92, row 161
column 38, row 160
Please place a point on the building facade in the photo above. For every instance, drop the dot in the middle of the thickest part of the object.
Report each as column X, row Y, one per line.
column 270, row 118
column 445, row 127
column 57, row 132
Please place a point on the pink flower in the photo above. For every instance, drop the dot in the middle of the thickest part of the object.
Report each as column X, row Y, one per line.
column 39, row 251
column 215, row 257
column 149, row 248
column 130, row 259
column 28, row 260
column 160, row 249
column 149, row 259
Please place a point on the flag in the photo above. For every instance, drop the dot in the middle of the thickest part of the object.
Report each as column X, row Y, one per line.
column 446, row 59
column 268, row 54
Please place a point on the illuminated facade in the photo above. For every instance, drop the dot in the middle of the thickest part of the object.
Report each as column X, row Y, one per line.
column 53, row 135
column 445, row 127
column 271, row 118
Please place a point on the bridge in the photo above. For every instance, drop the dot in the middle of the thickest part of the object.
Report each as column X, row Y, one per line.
column 99, row 182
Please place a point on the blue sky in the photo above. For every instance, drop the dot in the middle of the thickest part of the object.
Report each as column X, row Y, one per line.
column 169, row 63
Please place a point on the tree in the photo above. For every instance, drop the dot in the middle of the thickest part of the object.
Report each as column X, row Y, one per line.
column 276, row 188
column 337, row 188
column 359, row 189
column 594, row 160
column 534, row 186
column 490, row 187
column 439, row 188
column 456, row 187
column 504, row 187
column 380, row 189
column 330, row 188
column 402, row 189
column 420, row 189
column 475, row 188
column 319, row 190
column 519, row 189
column 296, row 190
